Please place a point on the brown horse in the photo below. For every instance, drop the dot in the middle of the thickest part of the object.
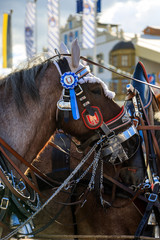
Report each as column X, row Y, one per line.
column 29, row 104
column 92, row 219
column 32, row 117
column 121, row 218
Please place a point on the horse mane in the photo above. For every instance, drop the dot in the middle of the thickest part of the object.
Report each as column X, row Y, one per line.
column 22, row 80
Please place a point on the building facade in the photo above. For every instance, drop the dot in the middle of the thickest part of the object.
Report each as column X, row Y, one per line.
column 116, row 49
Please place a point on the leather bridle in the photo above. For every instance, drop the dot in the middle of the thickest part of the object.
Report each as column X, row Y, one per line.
column 116, row 131
column 104, row 128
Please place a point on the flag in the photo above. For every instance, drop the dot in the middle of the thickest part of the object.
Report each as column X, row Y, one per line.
column 88, row 38
column 7, row 41
column 98, row 6
column 79, row 6
column 30, row 21
column 53, row 26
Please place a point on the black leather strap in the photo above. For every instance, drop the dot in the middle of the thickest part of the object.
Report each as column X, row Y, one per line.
column 144, row 220
column 64, row 66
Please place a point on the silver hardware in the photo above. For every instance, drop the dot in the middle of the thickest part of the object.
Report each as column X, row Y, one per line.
column 81, row 91
column 152, row 219
column 82, row 98
column 137, row 122
column 95, row 165
column 26, row 229
column 86, row 103
column 64, row 106
column 125, row 118
column 21, row 186
column 23, row 231
column 64, row 95
column 57, row 53
column 156, row 231
column 152, row 197
column 14, row 221
column 29, row 229
column 2, row 186
column 4, row 203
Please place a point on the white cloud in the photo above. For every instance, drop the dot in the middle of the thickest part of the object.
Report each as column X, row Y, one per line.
column 133, row 16
column 19, row 54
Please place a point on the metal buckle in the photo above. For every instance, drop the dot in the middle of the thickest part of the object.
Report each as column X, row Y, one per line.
column 2, row 185
column 21, row 186
column 64, row 106
column 4, row 203
column 152, row 197
column 136, row 122
column 81, row 90
column 65, row 95
column 111, row 135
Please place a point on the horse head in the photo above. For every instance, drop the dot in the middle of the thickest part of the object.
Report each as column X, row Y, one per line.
column 96, row 94
column 98, row 114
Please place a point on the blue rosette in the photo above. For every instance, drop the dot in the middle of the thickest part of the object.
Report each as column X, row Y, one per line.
column 69, row 80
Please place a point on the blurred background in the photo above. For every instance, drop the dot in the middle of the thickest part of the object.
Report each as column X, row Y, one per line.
column 114, row 33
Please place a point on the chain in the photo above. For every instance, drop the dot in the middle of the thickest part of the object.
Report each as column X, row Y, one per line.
column 95, row 165
column 64, row 184
column 103, row 202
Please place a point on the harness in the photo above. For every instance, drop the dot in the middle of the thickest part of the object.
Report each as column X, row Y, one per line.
column 112, row 131
column 107, row 142
column 112, row 146
column 152, row 167
column 19, row 197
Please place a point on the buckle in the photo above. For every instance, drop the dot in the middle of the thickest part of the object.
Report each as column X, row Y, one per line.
column 21, row 186
column 111, row 135
column 4, row 203
column 152, row 197
column 1, row 186
column 80, row 90
column 136, row 122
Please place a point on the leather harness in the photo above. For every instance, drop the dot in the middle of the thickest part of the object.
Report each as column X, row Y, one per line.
column 105, row 129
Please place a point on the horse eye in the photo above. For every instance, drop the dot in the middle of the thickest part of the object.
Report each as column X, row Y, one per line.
column 96, row 91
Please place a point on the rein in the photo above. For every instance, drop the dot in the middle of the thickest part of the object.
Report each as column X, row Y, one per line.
column 107, row 68
column 106, row 143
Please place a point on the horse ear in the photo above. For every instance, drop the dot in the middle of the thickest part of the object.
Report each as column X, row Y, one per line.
column 75, row 52
column 63, row 49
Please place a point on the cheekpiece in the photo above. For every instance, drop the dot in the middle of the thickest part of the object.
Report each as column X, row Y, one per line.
column 69, row 80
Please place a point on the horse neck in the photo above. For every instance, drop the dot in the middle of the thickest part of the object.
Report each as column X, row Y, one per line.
column 28, row 133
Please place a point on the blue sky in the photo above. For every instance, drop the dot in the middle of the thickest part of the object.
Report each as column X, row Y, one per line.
column 132, row 15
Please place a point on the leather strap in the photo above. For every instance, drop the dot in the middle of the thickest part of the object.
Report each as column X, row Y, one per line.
column 154, row 139
column 22, row 160
column 127, row 189
column 26, row 179
column 148, row 127
column 147, row 213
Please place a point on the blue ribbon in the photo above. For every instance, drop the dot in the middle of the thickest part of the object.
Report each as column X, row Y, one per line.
column 69, row 80
column 74, row 105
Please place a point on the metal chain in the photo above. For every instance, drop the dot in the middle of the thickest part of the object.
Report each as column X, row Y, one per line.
column 95, row 165
column 64, row 184
column 103, row 202
column 84, row 173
